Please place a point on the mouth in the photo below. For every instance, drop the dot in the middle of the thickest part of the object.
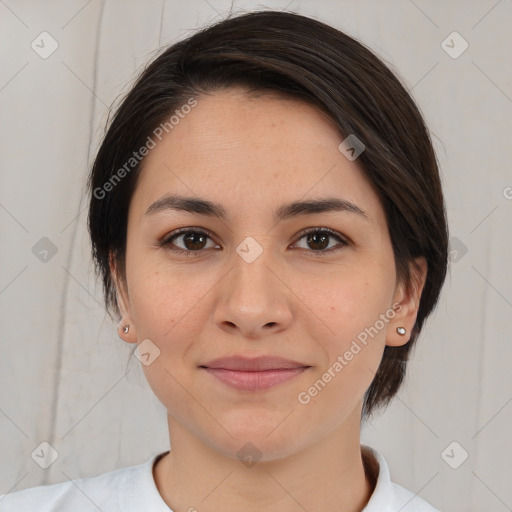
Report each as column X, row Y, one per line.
column 254, row 374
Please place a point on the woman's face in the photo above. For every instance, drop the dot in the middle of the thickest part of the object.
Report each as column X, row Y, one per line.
column 256, row 285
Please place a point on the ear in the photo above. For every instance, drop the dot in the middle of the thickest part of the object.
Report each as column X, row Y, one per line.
column 123, row 301
column 406, row 302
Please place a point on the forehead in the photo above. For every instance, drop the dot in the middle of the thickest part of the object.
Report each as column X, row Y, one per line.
column 233, row 119
column 239, row 150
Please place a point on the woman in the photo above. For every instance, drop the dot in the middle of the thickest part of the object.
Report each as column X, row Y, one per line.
column 267, row 218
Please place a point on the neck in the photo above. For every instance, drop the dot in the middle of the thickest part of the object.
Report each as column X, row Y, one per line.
column 332, row 474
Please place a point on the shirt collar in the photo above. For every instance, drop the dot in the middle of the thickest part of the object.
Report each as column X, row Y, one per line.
column 380, row 500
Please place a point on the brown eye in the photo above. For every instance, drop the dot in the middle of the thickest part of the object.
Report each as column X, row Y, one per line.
column 193, row 241
column 318, row 240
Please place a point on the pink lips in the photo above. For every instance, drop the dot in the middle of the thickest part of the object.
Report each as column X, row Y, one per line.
column 254, row 374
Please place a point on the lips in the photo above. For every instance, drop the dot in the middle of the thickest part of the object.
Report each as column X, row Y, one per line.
column 256, row 364
column 254, row 374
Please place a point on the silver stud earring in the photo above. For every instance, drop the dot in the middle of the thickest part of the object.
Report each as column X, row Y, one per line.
column 400, row 330
column 126, row 328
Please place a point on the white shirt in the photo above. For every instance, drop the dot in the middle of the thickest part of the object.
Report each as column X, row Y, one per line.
column 133, row 489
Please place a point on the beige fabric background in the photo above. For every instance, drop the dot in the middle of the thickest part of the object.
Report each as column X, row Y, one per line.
column 64, row 377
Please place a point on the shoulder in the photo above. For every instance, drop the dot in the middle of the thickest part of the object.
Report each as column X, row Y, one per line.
column 408, row 501
column 389, row 496
column 107, row 492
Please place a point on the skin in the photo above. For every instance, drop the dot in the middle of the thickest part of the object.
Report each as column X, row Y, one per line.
column 253, row 155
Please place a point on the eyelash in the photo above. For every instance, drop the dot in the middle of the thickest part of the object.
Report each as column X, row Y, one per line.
column 166, row 241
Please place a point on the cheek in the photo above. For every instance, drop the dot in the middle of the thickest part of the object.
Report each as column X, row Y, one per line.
column 355, row 310
column 154, row 305
column 353, row 340
column 163, row 302
column 168, row 312
column 351, row 301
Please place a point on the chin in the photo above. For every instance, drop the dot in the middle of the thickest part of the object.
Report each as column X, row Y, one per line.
column 258, row 443
column 252, row 450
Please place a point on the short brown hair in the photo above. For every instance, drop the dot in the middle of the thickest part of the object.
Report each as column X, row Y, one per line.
column 302, row 58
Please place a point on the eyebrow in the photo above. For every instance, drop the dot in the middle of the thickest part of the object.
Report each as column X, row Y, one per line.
column 297, row 208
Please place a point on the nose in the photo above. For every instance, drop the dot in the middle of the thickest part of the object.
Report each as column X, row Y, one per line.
column 253, row 298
